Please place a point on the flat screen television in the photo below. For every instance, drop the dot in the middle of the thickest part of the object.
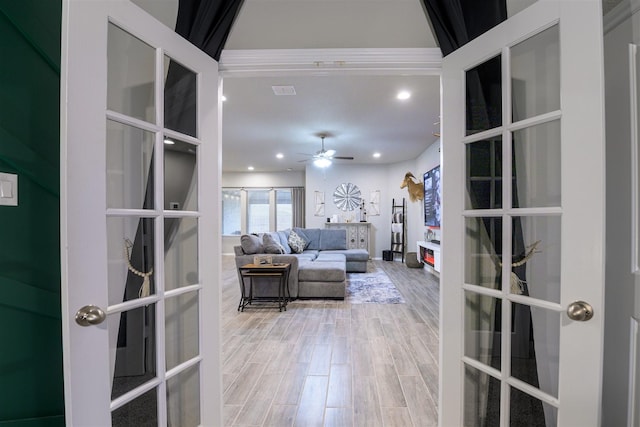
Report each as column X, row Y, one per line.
column 432, row 197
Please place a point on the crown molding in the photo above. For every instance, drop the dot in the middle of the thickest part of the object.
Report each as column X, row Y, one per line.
column 263, row 62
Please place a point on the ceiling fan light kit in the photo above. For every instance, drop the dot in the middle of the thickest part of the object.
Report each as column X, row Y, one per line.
column 322, row 162
column 322, row 158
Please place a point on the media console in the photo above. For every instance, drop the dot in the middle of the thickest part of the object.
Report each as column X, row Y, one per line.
column 429, row 253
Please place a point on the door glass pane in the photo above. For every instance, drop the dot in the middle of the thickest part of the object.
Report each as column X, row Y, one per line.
column 130, row 75
column 132, row 348
column 181, row 252
column 484, row 174
column 129, row 167
column 181, row 323
column 183, row 398
column 284, row 215
column 130, row 246
column 528, row 411
column 535, row 75
column 180, row 99
column 484, row 96
column 482, row 320
column 483, row 251
column 180, row 175
column 231, row 212
column 536, row 257
column 535, row 347
column 481, row 399
column 536, row 166
column 258, row 211
column 140, row 412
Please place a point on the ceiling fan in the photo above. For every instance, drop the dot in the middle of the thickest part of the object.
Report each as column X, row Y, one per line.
column 323, row 157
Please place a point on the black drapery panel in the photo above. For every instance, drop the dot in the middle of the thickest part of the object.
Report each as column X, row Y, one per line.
column 456, row 22
column 207, row 23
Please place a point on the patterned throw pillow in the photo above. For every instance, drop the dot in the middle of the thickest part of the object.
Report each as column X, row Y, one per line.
column 296, row 242
column 271, row 246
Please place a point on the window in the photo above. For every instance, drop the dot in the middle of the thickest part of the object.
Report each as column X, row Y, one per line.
column 231, row 212
column 258, row 210
column 284, row 218
column 258, row 220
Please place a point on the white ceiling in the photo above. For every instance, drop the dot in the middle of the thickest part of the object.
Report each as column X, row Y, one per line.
column 360, row 111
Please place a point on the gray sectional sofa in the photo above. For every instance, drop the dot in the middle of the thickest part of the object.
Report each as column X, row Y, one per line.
column 319, row 261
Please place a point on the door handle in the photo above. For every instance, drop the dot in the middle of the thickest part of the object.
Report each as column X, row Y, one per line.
column 580, row 311
column 90, row 315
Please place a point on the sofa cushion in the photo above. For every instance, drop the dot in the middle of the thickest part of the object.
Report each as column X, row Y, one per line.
column 325, row 257
column 312, row 236
column 296, row 242
column 251, row 244
column 271, row 245
column 322, row 272
column 333, row 239
column 284, row 241
column 351, row 254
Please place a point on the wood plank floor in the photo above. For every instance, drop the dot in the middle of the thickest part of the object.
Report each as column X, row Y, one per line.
column 331, row 363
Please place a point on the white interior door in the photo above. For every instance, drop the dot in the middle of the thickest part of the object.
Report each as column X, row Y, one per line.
column 139, row 221
column 523, row 227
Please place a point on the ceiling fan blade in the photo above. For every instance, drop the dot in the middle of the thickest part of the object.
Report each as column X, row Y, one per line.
column 343, row 157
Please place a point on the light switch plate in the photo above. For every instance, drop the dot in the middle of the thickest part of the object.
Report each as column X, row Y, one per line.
column 8, row 189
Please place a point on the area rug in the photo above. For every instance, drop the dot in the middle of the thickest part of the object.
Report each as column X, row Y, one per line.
column 372, row 287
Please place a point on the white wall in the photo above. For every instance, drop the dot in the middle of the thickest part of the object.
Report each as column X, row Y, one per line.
column 258, row 179
column 367, row 178
column 387, row 179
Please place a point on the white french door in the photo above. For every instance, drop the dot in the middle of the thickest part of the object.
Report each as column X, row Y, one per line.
column 523, row 176
column 140, row 238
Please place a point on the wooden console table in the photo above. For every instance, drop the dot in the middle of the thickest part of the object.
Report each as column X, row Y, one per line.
column 254, row 271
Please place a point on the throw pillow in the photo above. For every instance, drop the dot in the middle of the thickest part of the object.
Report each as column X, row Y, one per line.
column 251, row 244
column 296, row 242
column 270, row 245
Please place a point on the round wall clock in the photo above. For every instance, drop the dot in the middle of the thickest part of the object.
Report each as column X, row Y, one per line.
column 347, row 196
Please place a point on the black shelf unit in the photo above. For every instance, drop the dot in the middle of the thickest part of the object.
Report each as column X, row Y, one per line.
column 398, row 227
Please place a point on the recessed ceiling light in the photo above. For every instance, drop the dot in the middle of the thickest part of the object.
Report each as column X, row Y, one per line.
column 289, row 169
column 169, row 142
column 376, row 155
column 250, row 168
column 280, row 155
column 403, row 95
column 224, row 98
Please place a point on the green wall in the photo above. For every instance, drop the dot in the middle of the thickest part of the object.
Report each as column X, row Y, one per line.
column 31, row 381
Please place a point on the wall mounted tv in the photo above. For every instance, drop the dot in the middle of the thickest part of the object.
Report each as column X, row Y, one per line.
column 432, row 197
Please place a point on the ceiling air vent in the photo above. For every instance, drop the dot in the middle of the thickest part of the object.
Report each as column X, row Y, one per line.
column 283, row 90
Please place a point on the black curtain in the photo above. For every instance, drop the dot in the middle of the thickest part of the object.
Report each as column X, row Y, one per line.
column 456, row 22
column 207, row 23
